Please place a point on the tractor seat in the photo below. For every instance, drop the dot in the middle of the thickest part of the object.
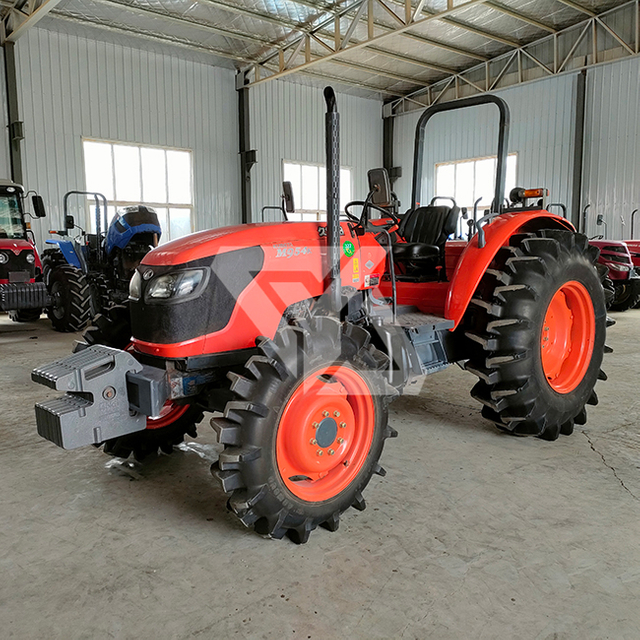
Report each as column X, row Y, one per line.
column 425, row 231
column 415, row 251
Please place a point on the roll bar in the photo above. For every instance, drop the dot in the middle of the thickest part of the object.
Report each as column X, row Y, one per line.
column 503, row 141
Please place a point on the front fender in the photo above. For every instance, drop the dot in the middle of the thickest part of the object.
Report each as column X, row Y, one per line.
column 474, row 260
column 68, row 251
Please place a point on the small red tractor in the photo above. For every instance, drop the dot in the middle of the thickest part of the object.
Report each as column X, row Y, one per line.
column 22, row 292
column 623, row 279
column 301, row 334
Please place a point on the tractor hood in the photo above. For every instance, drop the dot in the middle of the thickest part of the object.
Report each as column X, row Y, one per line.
column 14, row 245
column 205, row 244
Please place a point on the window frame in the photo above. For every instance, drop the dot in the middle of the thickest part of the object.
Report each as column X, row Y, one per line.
column 116, row 203
column 481, row 207
column 319, row 213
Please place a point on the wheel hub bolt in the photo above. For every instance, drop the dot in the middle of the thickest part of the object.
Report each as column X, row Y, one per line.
column 319, row 452
column 313, row 441
column 336, row 414
column 346, row 463
column 325, row 414
column 340, row 440
column 343, row 425
column 314, row 425
column 331, row 452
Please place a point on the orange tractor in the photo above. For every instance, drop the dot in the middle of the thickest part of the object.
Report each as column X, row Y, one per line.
column 301, row 333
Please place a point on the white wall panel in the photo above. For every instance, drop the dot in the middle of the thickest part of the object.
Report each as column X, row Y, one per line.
column 542, row 134
column 73, row 87
column 287, row 123
column 612, row 147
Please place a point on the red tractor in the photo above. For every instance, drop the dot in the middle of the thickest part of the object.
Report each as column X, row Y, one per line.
column 623, row 280
column 22, row 292
column 302, row 333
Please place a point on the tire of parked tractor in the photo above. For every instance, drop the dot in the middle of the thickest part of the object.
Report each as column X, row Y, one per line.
column 51, row 258
column 538, row 324
column 113, row 329
column 624, row 298
column 25, row 315
column 304, row 434
column 70, row 308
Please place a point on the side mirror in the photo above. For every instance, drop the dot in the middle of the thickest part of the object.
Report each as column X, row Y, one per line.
column 69, row 223
column 465, row 213
column 599, row 220
column 38, row 207
column 380, row 187
column 287, row 192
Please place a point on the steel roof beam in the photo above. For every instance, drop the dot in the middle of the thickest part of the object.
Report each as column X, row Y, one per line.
column 578, row 7
column 519, row 16
column 375, row 39
column 182, row 21
column 587, row 29
column 23, row 15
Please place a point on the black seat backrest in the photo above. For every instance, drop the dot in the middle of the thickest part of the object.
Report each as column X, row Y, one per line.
column 429, row 225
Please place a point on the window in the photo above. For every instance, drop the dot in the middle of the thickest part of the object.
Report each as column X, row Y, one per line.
column 133, row 174
column 468, row 180
column 309, row 185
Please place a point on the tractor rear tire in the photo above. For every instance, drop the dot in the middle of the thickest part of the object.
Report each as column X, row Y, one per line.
column 624, row 298
column 25, row 315
column 70, row 308
column 538, row 321
column 113, row 329
column 304, row 434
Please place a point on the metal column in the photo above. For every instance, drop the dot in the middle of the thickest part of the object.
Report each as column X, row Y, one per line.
column 387, row 143
column 15, row 124
column 247, row 154
column 578, row 151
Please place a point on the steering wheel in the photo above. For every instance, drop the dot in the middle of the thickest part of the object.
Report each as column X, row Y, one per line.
column 362, row 203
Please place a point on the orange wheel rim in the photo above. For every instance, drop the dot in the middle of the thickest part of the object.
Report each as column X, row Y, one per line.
column 325, row 433
column 568, row 336
column 170, row 411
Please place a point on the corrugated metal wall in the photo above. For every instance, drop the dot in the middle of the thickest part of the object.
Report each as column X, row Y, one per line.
column 612, row 149
column 72, row 87
column 287, row 123
column 542, row 133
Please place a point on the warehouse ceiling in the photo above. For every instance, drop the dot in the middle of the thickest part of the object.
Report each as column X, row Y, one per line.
column 381, row 48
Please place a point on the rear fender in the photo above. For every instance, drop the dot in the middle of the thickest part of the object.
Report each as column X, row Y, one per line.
column 68, row 251
column 474, row 260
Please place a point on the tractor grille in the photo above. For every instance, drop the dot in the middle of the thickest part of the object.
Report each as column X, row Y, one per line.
column 17, row 263
column 621, row 259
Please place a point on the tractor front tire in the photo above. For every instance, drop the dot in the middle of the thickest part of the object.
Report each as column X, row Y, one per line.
column 538, row 321
column 113, row 329
column 70, row 308
column 624, row 298
column 304, row 434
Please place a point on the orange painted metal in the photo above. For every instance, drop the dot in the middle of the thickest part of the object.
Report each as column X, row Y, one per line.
column 475, row 260
column 568, row 336
column 316, row 473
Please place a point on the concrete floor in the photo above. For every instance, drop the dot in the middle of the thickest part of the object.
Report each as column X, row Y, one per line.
column 472, row 534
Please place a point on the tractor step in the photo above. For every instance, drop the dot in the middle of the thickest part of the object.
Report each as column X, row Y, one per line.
column 422, row 342
column 95, row 406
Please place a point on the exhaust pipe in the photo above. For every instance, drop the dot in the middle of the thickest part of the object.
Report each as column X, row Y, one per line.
column 332, row 145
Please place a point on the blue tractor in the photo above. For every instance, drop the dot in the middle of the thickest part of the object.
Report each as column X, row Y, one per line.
column 90, row 273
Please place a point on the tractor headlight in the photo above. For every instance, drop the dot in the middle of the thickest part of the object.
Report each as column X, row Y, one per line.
column 618, row 267
column 30, row 258
column 4, row 258
column 135, row 286
column 174, row 285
